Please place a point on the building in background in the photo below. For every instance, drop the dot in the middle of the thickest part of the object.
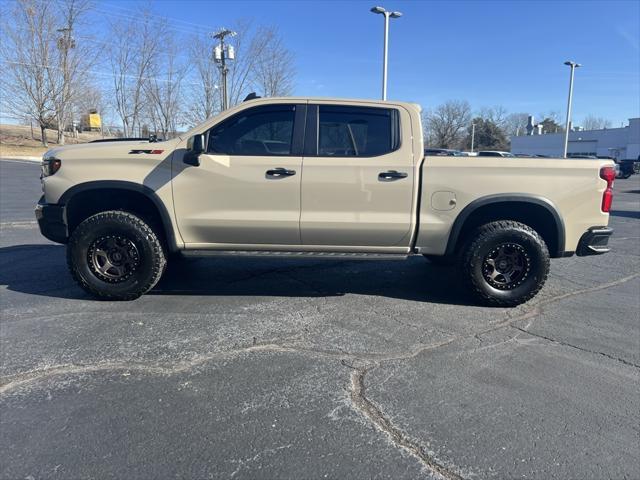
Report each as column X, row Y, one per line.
column 619, row 143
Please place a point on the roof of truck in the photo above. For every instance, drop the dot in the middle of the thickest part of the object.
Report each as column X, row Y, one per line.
column 334, row 99
column 270, row 100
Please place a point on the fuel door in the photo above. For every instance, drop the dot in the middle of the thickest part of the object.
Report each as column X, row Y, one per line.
column 442, row 201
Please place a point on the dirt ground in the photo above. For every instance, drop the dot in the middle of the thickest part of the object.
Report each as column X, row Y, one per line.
column 17, row 140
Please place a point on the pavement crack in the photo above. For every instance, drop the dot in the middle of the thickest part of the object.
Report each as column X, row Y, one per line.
column 582, row 349
column 382, row 422
column 536, row 309
column 11, row 382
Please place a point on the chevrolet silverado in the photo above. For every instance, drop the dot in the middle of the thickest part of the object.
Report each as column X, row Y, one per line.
column 322, row 178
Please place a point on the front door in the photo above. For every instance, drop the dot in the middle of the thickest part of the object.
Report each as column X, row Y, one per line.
column 358, row 177
column 246, row 190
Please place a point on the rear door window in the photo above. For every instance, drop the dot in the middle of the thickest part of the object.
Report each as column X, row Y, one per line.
column 357, row 131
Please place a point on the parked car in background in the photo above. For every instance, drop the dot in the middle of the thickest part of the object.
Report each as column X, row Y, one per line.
column 618, row 171
column 444, row 152
column 494, row 153
column 628, row 167
column 624, row 168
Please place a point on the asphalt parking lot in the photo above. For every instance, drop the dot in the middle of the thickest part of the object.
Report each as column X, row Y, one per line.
column 250, row 368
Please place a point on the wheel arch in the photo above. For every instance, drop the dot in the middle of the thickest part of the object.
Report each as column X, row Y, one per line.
column 86, row 199
column 539, row 213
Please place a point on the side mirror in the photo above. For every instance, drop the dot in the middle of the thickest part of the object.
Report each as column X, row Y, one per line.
column 195, row 146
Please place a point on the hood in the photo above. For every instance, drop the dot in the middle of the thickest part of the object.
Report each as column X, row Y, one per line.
column 106, row 149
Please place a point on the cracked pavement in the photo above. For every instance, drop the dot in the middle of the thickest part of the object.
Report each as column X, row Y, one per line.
column 263, row 368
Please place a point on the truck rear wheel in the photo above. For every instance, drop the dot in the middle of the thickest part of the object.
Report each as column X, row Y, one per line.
column 115, row 255
column 505, row 263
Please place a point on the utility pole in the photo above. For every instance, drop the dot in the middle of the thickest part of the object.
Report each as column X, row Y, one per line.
column 573, row 66
column 222, row 53
column 385, row 53
column 65, row 43
column 473, row 135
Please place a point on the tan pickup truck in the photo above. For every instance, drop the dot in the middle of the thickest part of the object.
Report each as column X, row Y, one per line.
column 322, row 178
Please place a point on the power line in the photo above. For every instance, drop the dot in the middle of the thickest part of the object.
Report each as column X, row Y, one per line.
column 97, row 72
column 185, row 28
column 186, row 23
column 181, row 54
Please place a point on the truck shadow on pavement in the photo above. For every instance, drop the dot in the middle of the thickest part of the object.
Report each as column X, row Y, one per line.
column 42, row 270
column 625, row 213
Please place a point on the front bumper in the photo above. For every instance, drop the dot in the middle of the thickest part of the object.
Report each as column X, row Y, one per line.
column 52, row 221
column 594, row 242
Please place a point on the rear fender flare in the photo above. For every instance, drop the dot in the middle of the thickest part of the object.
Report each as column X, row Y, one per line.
column 543, row 202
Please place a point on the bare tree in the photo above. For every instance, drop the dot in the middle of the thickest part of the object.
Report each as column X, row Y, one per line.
column 553, row 116
column 248, row 48
column 445, row 125
column 591, row 122
column 135, row 47
column 274, row 69
column 74, row 59
column 497, row 115
column 262, row 64
column 28, row 53
column 163, row 90
column 516, row 124
column 203, row 92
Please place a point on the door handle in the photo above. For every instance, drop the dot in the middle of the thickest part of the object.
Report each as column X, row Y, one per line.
column 279, row 173
column 391, row 175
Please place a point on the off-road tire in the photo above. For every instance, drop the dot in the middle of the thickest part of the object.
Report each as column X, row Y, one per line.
column 150, row 255
column 493, row 236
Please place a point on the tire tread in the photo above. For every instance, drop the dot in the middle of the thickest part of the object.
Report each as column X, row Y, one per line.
column 468, row 259
column 158, row 259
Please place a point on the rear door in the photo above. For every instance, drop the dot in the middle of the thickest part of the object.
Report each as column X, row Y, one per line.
column 358, row 177
column 246, row 190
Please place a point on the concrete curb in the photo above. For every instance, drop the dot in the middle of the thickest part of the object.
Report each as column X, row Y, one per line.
column 23, row 158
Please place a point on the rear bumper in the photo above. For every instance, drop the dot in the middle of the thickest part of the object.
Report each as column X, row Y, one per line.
column 52, row 221
column 594, row 242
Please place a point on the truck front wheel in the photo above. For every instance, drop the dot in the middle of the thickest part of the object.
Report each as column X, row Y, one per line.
column 115, row 255
column 505, row 263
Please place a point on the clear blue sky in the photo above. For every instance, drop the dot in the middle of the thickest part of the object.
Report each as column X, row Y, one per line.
column 508, row 53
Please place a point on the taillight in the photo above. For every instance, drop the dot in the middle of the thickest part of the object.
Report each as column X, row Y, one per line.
column 608, row 174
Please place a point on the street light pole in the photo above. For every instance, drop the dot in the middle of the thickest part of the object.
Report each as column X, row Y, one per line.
column 221, row 54
column 473, row 135
column 573, row 66
column 385, row 53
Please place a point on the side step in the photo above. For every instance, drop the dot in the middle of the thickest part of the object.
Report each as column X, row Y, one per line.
column 268, row 253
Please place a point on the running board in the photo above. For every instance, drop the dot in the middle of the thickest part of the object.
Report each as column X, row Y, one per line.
column 268, row 253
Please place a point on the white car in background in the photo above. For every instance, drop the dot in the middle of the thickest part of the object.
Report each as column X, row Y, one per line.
column 494, row 153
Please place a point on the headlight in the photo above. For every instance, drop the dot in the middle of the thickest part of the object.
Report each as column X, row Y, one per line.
column 50, row 165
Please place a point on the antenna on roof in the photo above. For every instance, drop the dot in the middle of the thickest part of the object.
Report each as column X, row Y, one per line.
column 251, row 96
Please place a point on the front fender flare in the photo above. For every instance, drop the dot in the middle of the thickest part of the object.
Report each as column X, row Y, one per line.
column 167, row 224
